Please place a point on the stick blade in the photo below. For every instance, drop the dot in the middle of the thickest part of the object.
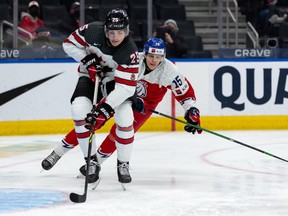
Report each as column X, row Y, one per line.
column 77, row 198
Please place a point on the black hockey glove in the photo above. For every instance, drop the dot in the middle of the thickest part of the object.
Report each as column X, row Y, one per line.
column 98, row 116
column 92, row 65
column 139, row 105
column 192, row 116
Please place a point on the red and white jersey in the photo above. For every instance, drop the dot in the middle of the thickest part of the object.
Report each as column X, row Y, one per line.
column 153, row 86
column 123, row 59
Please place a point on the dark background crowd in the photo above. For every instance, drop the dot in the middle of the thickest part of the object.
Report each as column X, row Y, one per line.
column 51, row 21
column 46, row 23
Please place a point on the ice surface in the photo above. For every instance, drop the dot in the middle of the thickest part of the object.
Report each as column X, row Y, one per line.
column 174, row 174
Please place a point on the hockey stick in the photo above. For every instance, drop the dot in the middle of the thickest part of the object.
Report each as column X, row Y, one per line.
column 78, row 198
column 219, row 135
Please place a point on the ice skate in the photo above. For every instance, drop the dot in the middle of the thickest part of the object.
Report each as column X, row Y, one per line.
column 82, row 171
column 82, row 174
column 123, row 173
column 50, row 161
column 94, row 170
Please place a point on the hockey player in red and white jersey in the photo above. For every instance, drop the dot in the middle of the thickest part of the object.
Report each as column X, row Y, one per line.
column 108, row 49
column 156, row 75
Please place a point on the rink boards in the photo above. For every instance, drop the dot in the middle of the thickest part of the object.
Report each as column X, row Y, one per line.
column 231, row 94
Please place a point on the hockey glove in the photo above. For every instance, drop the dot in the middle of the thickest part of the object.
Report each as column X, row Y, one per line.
column 192, row 116
column 139, row 105
column 98, row 116
column 94, row 67
column 91, row 63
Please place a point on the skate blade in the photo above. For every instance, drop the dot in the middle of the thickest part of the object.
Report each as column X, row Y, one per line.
column 123, row 185
column 95, row 184
column 92, row 185
column 43, row 170
column 80, row 176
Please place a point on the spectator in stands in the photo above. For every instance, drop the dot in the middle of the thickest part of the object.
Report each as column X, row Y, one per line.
column 67, row 3
column 176, row 46
column 71, row 21
column 271, row 18
column 268, row 6
column 31, row 21
column 42, row 46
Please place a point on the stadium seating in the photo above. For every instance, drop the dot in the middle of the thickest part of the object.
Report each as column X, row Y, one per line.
column 23, row 2
column 48, row 2
column 5, row 12
column 136, row 3
column 282, row 3
column 139, row 12
column 194, row 42
column 186, row 28
column 53, row 12
column 92, row 3
column 195, row 48
column 114, row 3
column 166, row 2
column 3, row 2
column 283, row 35
column 136, row 33
column 176, row 12
column 92, row 13
column 199, row 54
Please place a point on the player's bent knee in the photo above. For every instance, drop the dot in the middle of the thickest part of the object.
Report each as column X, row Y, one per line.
column 80, row 107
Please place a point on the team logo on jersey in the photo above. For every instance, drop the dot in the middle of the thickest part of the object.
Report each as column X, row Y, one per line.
column 178, row 91
column 141, row 89
column 182, row 90
column 133, row 77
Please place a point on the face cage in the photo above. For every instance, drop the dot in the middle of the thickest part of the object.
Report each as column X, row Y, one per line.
column 126, row 30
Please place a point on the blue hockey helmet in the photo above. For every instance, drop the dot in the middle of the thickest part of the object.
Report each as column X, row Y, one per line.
column 155, row 46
